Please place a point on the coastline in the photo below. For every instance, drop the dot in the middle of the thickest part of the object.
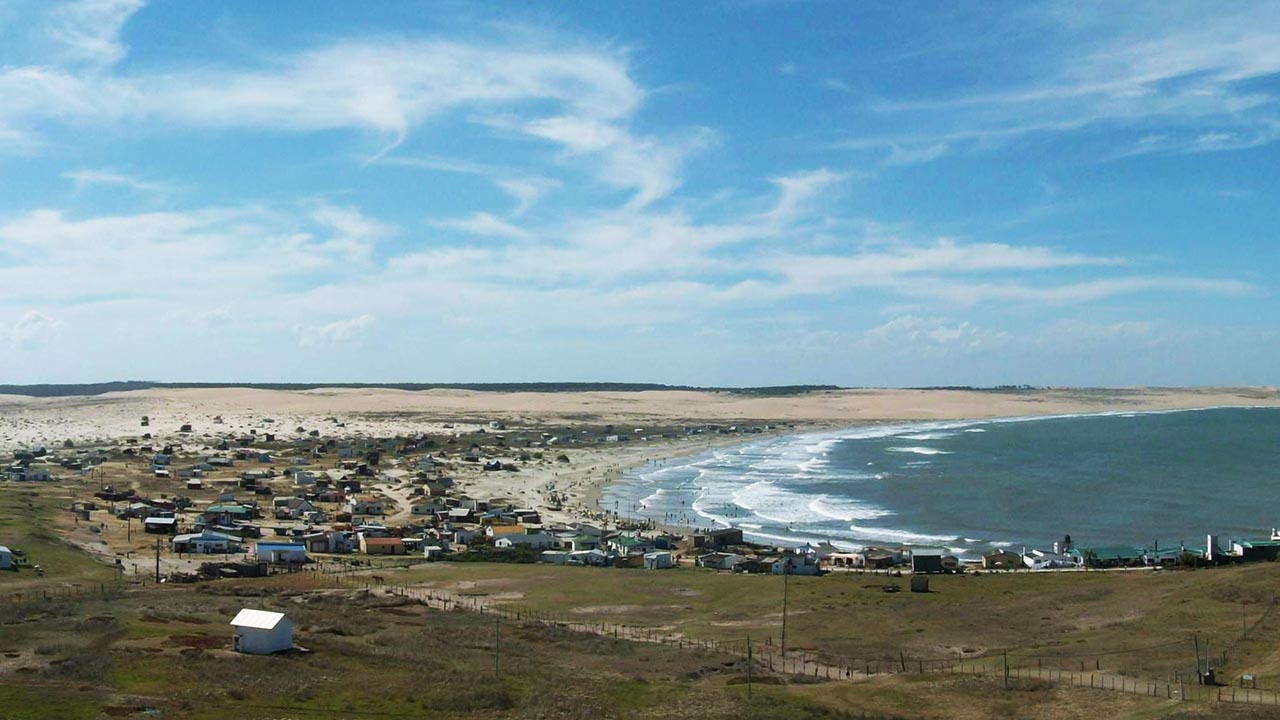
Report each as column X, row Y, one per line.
column 811, row 530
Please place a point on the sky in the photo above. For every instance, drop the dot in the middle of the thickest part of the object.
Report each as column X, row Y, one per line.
column 712, row 193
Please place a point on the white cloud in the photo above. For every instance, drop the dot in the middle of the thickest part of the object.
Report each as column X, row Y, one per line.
column 89, row 30
column 388, row 88
column 526, row 191
column 914, row 333
column 485, row 225
column 339, row 332
column 924, row 153
column 1177, row 80
column 28, row 329
column 111, row 178
column 796, row 190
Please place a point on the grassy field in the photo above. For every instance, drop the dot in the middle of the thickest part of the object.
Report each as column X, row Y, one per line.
column 165, row 648
column 165, row 651
column 1140, row 623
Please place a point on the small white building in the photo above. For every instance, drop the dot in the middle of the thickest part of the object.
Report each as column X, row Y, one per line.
column 261, row 632
column 6, row 558
column 659, row 560
column 537, row 541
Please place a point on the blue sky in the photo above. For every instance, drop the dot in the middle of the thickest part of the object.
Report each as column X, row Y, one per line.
column 721, row 193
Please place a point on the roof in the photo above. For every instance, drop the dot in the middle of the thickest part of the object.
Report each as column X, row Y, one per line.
column 227, row 509
column 281, row 546
column 1259, row 543
column 1115, row 552
column 383, row 541
column 258, row 619
column 4, row 549
column 928, row 552
column 160, row 521
column 507, row 529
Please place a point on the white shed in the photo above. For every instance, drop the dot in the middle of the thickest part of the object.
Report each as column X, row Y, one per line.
column 658, row 561
column 261, row 632
column 6, row 558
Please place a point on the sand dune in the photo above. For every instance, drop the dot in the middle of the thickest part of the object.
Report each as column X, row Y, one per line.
column 26, row 420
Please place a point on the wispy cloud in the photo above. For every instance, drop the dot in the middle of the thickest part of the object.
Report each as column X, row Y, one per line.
column 111, row 178
column 28, row 329
column 339, row 332
column 1177, row 81
column 88, row 30
column 485, row 225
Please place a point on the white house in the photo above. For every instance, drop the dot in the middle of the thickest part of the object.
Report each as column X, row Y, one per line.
column 796, row 562
column 537, row 541
column 261, row 632
column 659, row 560
column 365, row 505
column 6, row 558
column 1045, row 560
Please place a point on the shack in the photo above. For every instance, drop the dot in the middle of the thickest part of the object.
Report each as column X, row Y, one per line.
column 927, row 559
column 660, row 560
column 261, row 632
column 160, row 525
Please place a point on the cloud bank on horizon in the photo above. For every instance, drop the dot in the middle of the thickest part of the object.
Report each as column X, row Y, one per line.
column 707, row 194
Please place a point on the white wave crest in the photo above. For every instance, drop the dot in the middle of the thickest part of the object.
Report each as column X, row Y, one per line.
column 894, row 535
column 919, row 450
column 845, row 510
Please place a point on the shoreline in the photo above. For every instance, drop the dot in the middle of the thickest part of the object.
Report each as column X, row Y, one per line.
column 814, row 535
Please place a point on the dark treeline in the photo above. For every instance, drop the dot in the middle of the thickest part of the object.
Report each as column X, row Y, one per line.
column 51, row 390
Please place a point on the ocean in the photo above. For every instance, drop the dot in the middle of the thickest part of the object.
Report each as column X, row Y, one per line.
column 1104, row 479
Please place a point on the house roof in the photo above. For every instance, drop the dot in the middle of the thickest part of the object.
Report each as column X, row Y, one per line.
column 281, row 546
column 507, row 529
column 258, row 619
column 928, row 551
column 1259, row 543
column 160, row 521
column 383, row 541
column 1115, row 552
column 227, row 509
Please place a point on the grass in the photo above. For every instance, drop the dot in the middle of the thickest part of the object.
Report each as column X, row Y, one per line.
column 27, row 512
column 1053, row 620
column 372, row 656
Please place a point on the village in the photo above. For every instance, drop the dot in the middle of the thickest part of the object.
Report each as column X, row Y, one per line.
column 223, row 504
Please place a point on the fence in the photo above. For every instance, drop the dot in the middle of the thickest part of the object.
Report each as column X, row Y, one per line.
column 766, row 655
column 62, row 594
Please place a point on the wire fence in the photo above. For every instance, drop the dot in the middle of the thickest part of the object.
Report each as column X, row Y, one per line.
column 766, row 655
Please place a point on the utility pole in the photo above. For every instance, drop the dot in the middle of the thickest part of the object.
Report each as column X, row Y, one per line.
column 497, row 646
column 786, row 578
column 157, row 560
column 748, row 667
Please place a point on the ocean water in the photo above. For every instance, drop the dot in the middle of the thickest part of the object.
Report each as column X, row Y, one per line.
column 1105, row 479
